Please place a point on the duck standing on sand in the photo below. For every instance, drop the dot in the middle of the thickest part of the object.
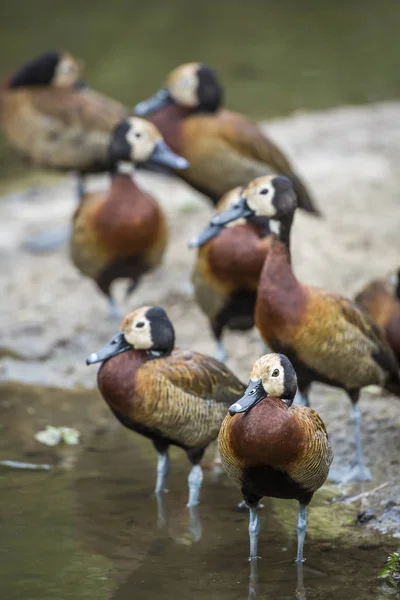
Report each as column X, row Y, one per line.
column 122, row 233
column 224, row 148
column 172, row 396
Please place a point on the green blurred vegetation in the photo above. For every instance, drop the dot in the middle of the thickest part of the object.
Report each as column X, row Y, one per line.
column 274, row 56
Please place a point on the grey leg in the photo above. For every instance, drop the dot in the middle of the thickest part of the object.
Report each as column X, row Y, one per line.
column 114, row 312
column 358, row 471
column 220, row 353
column 254, row 530
column 253, row 580
column 163, row 466
column 194, row 480
column 301, row 532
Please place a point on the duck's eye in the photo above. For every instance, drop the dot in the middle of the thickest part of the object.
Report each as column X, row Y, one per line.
column 264, row 191
column 138, row 135
column 275, row 373
column 139, row 324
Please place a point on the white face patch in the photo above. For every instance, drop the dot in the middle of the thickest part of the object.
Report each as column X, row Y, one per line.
column 142, row 137
column 138, row 332
column 67, row 72
column 269, row 369
column 183, row 84
column 259, row 196
column 274, row 384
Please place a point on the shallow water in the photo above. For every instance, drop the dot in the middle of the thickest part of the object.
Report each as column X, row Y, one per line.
column 273, row 57
column 91, row 529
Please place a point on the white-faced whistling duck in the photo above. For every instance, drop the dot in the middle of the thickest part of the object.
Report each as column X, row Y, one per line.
column 224, row 148
column 53, row 119
column 174, row 397
column 272, row 447
column 123, row 232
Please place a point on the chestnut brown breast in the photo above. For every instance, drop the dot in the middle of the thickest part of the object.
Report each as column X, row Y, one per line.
column 237, row 255
column 267, row 434
column 130, row 221
column 288, row 440
column 123, row 223
column 281, row 300
column 116, row 380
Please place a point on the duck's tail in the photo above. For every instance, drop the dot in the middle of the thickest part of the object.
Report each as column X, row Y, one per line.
column 304, row 199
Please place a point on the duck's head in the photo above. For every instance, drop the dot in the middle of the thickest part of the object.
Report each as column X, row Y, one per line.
column 228, row 200
column 55, row 68
column 192, row 85
column 272, row 375
column 136, row 140
column 270, row 196
column 147, row 328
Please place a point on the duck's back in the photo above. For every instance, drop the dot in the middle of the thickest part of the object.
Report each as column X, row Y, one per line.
column 226, row 150
column 60, row 128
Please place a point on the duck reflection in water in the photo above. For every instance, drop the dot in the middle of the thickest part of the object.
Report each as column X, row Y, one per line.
column 192, row 529
column 300, row 592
